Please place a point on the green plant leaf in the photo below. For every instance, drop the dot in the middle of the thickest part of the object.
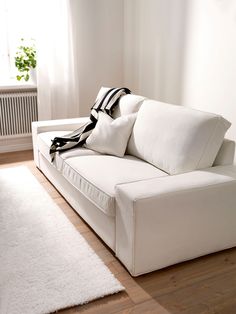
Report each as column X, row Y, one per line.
column 25, row 59
column 19, row 77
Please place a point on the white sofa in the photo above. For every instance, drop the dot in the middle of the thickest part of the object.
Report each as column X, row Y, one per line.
column 171, row 198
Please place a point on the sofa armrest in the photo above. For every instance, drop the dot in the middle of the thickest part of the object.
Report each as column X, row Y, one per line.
column 225, row 155
column 58, row 125
column 163, row 221
column 54, row 125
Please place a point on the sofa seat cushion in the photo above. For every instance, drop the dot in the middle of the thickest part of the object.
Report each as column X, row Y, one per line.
column 44, row 141
column 176, row 139
column 96, row 176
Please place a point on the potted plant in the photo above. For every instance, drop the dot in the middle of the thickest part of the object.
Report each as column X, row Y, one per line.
column 25, row 60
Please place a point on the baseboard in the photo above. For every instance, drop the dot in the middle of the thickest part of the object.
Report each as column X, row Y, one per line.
column 13, row 144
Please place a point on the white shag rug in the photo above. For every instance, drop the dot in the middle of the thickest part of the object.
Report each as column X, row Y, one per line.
column 45, row 264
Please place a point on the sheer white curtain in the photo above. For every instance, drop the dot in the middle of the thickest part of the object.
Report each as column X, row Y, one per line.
column 57, row 71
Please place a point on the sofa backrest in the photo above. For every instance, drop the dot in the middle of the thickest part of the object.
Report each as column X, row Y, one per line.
column 176, row 139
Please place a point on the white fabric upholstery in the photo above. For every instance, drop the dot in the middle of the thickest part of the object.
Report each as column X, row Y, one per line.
column 225, row 155
column 171, row 219
column 44, row 142
column 110, row 136
column 128, row 104
column 149, row 219
column 176, row 139
column 97, row 176
column 101, row 223
column 58, row 125
column 67, row 125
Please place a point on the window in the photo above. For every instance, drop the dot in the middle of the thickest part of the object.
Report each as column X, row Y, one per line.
column 17, row 20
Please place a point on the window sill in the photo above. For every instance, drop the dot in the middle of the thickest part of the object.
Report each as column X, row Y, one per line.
column 15, row 86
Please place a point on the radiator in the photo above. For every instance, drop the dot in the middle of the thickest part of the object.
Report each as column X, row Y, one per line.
column 17, row 111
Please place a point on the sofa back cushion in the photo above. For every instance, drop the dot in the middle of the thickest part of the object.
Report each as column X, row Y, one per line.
column 176, row 139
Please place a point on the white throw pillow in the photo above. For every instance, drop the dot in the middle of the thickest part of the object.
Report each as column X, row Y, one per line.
column 176, row 139
column 127, row 103
column 111, row 136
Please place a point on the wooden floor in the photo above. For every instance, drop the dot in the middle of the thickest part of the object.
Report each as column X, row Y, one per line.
column 204, row 285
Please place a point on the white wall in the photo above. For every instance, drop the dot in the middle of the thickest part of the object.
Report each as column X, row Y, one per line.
column 209, row 80
column 154, row 36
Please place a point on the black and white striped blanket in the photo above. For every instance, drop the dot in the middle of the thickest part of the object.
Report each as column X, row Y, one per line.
column 106, row 103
